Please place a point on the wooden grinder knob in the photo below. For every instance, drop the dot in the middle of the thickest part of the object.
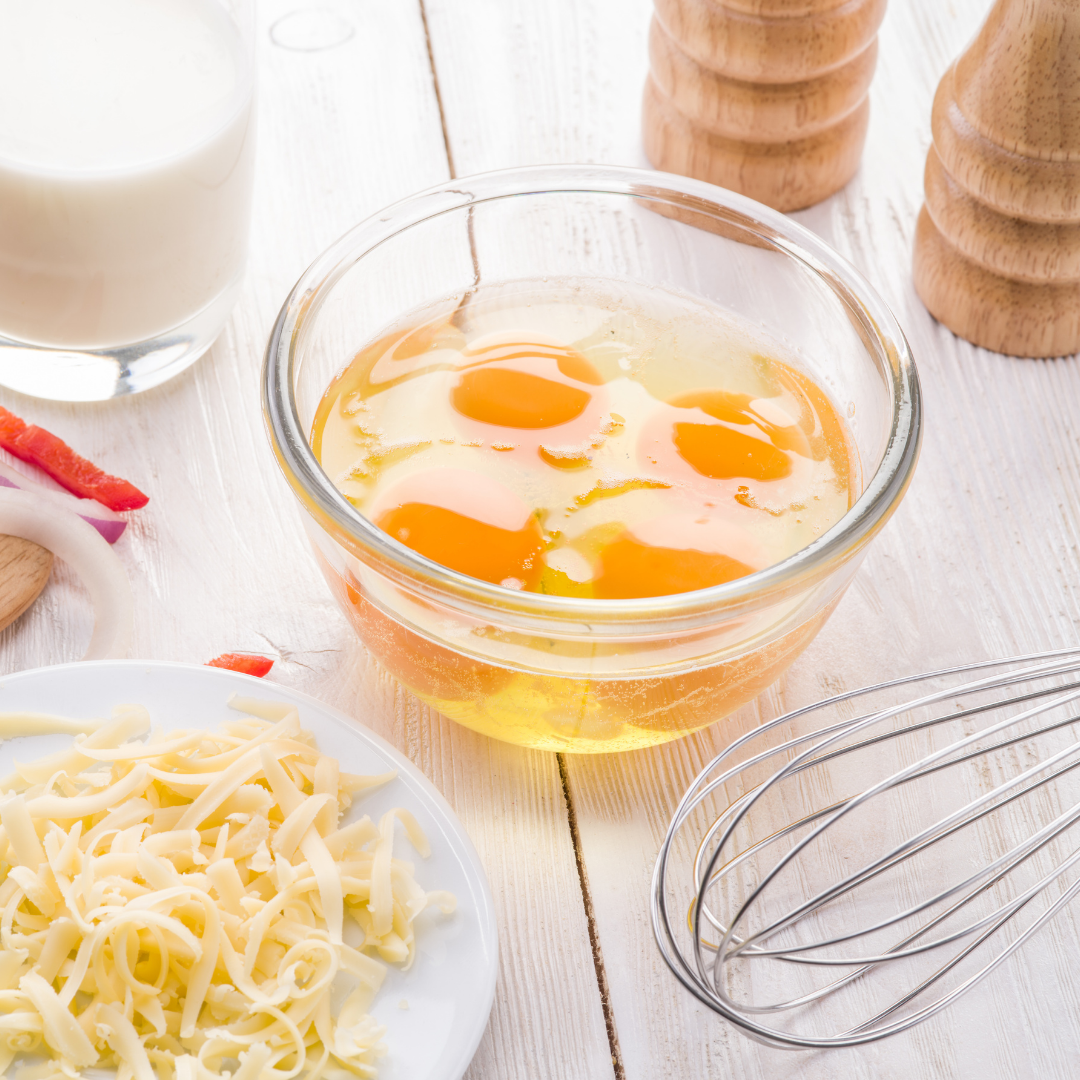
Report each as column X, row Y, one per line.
column 997, row 247
column 766, row 97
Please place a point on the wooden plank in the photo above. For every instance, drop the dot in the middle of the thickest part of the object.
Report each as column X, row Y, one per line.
column 978, row 562
column 981, row 560
column 527, row 84
column 218, row 560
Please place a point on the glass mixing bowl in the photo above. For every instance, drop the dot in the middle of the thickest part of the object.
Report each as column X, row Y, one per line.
column 565, row 673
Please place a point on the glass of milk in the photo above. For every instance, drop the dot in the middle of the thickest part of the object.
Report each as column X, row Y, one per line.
column 126, row 160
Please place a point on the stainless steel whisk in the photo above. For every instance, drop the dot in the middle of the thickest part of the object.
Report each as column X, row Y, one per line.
column 883, row 858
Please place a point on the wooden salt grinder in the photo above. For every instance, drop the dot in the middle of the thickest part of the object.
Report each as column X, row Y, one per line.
column 765, row 97
column 997, row 247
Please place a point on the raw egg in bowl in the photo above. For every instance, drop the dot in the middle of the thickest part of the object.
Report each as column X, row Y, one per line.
column 588, row 455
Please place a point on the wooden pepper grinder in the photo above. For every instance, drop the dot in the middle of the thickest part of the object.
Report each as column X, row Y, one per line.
column 766, row 97
column 997, row 247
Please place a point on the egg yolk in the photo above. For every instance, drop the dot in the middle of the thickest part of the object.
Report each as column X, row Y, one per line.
column 630, row 567
column 473, row 547
column 743, row 444
column 496, row 393
column 517, row 399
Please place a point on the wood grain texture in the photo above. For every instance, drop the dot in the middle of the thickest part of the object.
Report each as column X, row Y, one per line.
column 525, row 83
column 982, row 559
column 786, row 175
column 770, row 103
column 996, row 245
column 772, row 46
column 219, row 562
column 24, row 571
column 770, row 112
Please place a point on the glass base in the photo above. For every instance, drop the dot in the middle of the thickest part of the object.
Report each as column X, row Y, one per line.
column 68, row 374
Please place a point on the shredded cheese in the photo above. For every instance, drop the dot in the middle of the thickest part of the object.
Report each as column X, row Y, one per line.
column 180, row 908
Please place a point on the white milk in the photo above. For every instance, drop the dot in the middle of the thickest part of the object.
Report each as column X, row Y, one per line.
column 126, row 148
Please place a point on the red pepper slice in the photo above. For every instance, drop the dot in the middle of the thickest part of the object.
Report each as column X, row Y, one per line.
column 11, row 427
column 245, row 663
column 81, row 477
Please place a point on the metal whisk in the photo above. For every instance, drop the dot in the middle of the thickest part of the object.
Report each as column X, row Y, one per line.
column 849, row 869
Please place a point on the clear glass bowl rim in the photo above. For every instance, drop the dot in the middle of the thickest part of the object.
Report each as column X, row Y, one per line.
column 681, row 611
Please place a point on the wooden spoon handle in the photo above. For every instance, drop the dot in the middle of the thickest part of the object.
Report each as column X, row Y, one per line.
column 24, row 570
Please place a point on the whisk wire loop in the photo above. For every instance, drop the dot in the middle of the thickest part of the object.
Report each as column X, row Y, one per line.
column 726, row 950
column 794, row 826
column 930, row 833
column 1009, row 711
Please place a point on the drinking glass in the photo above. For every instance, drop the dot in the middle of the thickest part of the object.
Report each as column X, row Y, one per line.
column 126, row 162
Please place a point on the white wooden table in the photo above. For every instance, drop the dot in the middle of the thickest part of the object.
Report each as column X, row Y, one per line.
column 981, row 559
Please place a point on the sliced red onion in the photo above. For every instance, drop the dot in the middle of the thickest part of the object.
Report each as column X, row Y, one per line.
column 107, row 522
column 25, row 514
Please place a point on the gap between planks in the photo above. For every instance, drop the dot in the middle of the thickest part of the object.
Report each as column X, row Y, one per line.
column 438, row 93
column 594, row 936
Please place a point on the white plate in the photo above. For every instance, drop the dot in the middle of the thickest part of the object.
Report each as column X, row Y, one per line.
column 451, row 985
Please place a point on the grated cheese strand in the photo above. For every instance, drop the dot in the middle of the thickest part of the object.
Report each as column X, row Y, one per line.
column 182, row 907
